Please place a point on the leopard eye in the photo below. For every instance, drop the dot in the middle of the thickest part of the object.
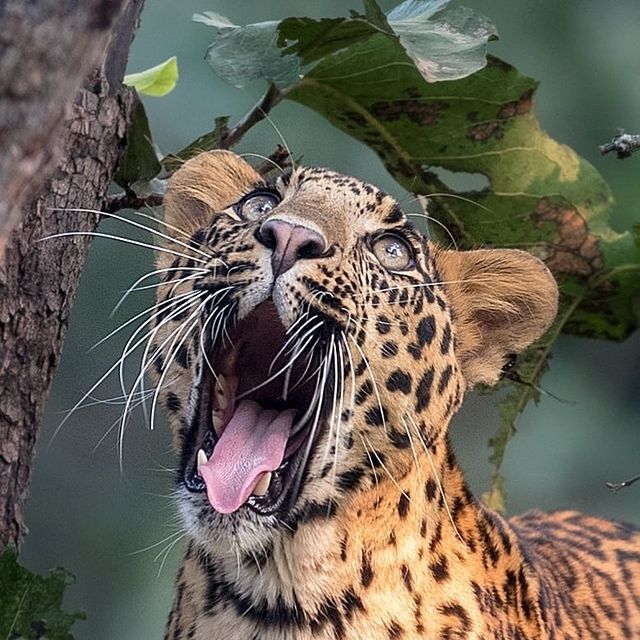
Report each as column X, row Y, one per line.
column 393, row 252
column 257, row 204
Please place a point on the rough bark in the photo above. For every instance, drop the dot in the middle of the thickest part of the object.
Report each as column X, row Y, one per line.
column 47, row 48
column 39, row 279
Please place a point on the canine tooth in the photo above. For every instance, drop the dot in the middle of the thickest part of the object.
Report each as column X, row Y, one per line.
column 222, row 391
column 263, row 484
column 202, row 458
column 217, row 420
column 232, row 356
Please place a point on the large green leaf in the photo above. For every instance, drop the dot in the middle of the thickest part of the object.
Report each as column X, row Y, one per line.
column 380, row 78
column 30, row 605
column 442, row 43
column 240, row 55
column 540, row 195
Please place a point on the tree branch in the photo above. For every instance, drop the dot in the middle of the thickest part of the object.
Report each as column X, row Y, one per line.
column 624, row 144
column 131, row 201
column 259, row 112
column 47, row 49
column 222, row 137
column 616, row 486
column 39, row 279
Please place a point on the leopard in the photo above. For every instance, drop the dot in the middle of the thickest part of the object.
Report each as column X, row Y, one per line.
column 311, row 346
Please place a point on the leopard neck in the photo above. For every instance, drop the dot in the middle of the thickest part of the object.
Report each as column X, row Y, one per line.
column 426, row 525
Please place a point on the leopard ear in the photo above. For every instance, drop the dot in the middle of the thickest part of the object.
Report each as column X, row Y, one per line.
column 205, row 185
column 502, row 300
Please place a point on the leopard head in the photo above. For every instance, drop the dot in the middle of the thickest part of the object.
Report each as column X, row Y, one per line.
column 313, row 337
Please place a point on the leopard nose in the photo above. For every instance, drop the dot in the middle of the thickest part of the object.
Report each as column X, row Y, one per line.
column 290, row 243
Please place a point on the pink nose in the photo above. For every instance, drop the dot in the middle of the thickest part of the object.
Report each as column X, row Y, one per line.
column 290, row 243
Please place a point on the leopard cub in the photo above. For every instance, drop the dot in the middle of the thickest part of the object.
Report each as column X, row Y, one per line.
column 310, row 356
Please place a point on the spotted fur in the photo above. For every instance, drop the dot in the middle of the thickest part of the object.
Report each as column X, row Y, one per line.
column 384, row 541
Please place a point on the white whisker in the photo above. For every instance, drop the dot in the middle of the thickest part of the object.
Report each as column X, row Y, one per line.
column 109, row 371
column 293, row 337
column 182, row 232
column 317, row 400
column 155, row 544
column 157, row 306
column 185, row 328
column 197, row 273
column 109, row 236
column 437, row 476
column 271, row 378
column 340, row 408
column 166, row 552
column 140, row 226
column 148, row 337
column 413, row 449
column 265, row 158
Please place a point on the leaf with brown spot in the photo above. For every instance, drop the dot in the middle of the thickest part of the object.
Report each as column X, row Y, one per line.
column 541, row 196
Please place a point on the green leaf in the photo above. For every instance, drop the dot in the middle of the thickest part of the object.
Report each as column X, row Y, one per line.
column 449, row 46
column 139, row 164
column 539, row 194
column 375, row 15
column 156, row 81
column 30, row 606
column 311, row 39
column 241, row 55
column 213, row 19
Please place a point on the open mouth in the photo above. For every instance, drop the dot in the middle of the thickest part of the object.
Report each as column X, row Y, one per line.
column 258, row 415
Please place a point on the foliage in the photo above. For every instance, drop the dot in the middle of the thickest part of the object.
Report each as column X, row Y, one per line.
column 442, row 44
column 139, row 164
column 30, row 605
column 157, row 81
column 414, row 85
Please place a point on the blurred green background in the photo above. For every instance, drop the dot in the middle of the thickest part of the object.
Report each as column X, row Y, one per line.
column 107, row 525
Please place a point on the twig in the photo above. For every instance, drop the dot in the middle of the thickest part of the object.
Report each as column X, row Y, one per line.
column 220, row 138
column 131, row 201
column 278, row 160
column 624, row 144
column 616, row 486
column 259, row 112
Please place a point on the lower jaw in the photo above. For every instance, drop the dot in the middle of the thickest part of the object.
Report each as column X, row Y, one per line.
column 281, row 495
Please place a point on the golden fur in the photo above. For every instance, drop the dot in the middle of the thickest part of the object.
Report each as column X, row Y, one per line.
column 386, row 542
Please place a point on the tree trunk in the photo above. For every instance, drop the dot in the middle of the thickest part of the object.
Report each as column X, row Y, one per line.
column 39, row 279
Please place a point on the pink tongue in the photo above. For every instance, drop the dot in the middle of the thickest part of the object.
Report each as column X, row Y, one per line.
column 254, row 441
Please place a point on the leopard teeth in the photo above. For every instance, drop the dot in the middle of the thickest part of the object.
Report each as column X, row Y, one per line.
column 222, row 391
column 263, row 484
column 202, row 458
column 217, row 420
